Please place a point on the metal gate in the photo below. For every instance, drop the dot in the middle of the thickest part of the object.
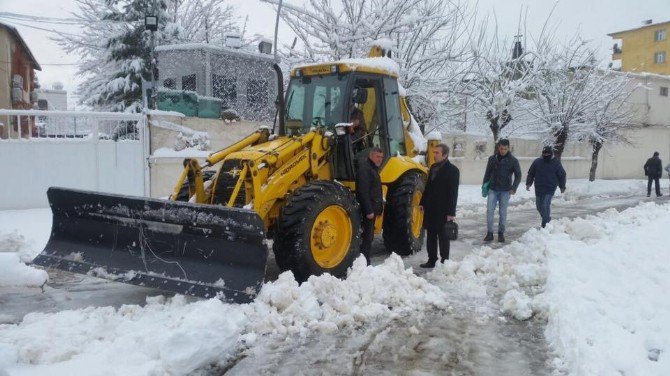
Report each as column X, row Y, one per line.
column 100, row 151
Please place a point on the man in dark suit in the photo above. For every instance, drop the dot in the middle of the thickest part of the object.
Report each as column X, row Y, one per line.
column 653, row 169
column 439, row 204
column 369, row 195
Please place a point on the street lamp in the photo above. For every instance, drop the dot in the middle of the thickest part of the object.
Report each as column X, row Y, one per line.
column 151, row 23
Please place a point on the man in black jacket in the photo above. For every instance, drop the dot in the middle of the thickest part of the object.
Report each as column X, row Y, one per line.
column 439, row 204
column 499, row 170
column 369, row 195
column 653, row 169
column 547, row 173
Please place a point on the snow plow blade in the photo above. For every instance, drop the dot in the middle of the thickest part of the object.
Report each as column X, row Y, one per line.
column 191, row 249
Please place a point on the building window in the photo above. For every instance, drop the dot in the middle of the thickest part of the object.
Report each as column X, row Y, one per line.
column 659, row 35
column 170, row 83
column 188, row 82
column 659, row 57
column 225, row 88
column 664, row 91
column 257, row 93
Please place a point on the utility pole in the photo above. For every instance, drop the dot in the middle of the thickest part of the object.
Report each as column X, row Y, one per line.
column 151, row 24
column 277, row 28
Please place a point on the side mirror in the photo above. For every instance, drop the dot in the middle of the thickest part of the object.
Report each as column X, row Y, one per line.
column 359, row 95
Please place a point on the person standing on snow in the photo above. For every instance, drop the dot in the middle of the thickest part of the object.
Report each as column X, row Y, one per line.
column 438, row 204
column 369, row 195
column 499, row 170
column 653, row 169
column 667, row 169
column 547, row 173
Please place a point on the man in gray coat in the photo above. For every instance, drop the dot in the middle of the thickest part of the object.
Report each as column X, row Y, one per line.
column 499, row 171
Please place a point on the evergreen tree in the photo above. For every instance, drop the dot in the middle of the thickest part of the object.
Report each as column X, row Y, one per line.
column 115, row 48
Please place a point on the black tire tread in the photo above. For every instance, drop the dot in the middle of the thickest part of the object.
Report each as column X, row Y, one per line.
column 397, row 232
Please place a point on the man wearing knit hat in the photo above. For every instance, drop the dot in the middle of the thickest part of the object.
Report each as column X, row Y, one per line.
column 547, row 173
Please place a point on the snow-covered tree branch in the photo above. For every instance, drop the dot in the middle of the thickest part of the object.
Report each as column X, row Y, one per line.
column 115, row 48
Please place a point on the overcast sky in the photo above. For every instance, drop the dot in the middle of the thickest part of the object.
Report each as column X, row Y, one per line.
column 593, row 19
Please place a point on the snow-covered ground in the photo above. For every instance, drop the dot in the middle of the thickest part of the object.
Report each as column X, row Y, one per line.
column 598, row 282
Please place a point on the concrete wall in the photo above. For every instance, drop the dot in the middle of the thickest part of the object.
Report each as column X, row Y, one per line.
column 165, row 171
column 470, row 153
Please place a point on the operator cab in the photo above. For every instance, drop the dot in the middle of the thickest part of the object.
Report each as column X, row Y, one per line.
column 329, row 100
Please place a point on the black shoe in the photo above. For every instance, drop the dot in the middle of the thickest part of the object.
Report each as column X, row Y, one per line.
column 544, row 224
column 489, row 237
column 501, row 237
column 659, row 195
column 428, row 265
column 648, row 194
column 442, row 260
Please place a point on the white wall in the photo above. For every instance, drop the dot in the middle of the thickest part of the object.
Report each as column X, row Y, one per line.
column 29, row 167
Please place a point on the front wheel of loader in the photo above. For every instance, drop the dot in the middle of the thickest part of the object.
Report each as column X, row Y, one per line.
column 318, row 231
column 403, row 220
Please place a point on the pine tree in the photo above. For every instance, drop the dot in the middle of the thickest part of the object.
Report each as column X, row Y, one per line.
column 115, row 48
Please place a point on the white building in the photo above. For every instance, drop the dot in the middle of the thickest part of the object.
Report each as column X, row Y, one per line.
column 52, row 99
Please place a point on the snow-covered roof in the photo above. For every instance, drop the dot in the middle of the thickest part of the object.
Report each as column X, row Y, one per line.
column 217, row 49
column 385, row 64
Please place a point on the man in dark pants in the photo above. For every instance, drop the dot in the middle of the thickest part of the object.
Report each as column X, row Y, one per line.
column 369, row 195
column 547, row 173
column 439, row 204
column 653, row 169
column 499, row 170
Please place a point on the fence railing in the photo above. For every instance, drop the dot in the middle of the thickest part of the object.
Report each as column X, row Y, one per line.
column 28, row 124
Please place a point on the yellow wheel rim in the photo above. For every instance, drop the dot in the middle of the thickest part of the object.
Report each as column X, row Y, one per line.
column 330, row 237
column 417, row 215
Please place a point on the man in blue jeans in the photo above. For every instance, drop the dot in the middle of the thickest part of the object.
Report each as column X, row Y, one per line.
column 499, row 171
column 547, row 173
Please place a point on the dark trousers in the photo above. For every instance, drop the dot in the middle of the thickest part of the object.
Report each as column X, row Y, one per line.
column 432, row 238
column 656, row 182
column 368, row 226
column 543, row 205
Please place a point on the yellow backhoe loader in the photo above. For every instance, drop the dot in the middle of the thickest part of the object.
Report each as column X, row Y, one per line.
column 293, row 184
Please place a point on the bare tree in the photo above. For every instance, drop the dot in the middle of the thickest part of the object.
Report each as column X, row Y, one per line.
column 498, row 81
column 429, row 37
column 565, row 90
column 610, row 117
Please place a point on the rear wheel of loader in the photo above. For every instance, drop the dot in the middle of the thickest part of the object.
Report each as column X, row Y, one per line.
column 318, row 231
column 403, row 220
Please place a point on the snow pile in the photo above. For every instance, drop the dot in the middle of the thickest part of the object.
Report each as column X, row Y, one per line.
column 197, row 140
column 184, row 153
column 175, row 337
column 600, row 281
column 607, row 292
column 383, row 63
column 327, row 303
column 13, row 271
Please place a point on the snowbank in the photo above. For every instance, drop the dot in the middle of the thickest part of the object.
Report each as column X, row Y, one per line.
column 601, row 282
column 13, row 271
column 607, row 292
column 175, row 337
column 576, row 188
